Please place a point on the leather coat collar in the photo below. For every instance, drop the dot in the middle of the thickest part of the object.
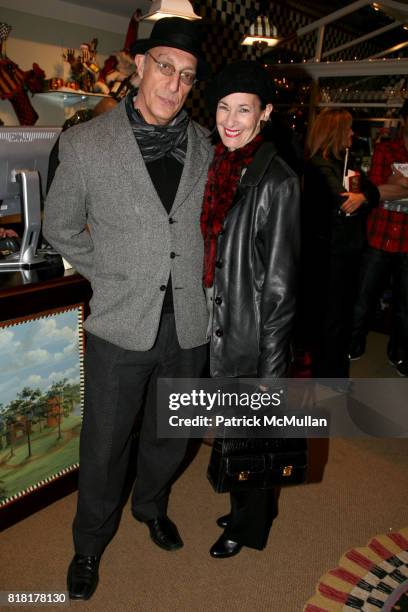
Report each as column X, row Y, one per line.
column 255, row 172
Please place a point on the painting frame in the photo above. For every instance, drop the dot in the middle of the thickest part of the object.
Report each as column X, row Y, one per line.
column 22, row 303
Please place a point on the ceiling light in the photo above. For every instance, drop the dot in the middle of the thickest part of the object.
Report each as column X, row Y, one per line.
column 170, row 8
column 261, row 34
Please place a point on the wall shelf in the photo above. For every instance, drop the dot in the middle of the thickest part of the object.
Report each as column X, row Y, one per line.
column 72, row 98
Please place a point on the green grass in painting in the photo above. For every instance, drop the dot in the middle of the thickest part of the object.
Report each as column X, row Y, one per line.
column 49, row 456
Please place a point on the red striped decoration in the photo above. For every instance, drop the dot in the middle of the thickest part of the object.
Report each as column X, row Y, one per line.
column 332, row 593
column 378, row 564
column 345, row 575
column 379, row 549
column 399, row 540
column 359, row 559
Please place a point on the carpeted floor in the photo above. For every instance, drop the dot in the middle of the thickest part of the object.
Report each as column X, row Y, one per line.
column 363, row 493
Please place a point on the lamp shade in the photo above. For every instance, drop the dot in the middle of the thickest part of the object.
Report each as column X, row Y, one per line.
column 170, row 8
column 261, row 33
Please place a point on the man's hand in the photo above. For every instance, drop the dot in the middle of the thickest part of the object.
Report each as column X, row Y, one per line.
column 396, row 188
column 397, row 178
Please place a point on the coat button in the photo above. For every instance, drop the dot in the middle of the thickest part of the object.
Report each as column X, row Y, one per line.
column 172, row 254
column 163, row 287
column 218, row 263
column 218, row 301
column 219, row 333
column 171, row 220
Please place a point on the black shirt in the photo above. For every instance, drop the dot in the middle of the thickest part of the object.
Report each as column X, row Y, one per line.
column 165, row 174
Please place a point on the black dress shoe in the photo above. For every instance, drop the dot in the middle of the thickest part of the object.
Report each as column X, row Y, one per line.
column 402, row 367
column 224, row 548
column 357, row 349
column 223, row 521
column 164, row 533
column 82, row 578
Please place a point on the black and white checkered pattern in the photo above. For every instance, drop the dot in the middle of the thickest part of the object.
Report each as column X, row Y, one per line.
column 226, row 22
column 5, row 30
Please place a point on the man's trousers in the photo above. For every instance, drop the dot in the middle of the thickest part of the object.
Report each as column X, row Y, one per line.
column 116, row 382
column 377, row 268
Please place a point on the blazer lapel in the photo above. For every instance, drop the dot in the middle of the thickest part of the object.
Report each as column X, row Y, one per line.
column 126, row 152
column 196, row 163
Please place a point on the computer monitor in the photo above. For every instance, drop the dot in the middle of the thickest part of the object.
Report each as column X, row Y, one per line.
column 24, row 159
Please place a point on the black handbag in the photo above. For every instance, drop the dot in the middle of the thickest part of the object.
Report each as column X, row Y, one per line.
column 238, row 464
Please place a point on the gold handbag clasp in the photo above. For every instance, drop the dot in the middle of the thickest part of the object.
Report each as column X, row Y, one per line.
column 287, row 470
column 243, row 475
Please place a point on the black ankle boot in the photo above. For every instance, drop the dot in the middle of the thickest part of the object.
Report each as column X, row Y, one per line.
column 356, row 349
column 224, row 548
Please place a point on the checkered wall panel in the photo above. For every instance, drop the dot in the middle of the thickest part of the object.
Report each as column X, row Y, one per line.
column 226, row 22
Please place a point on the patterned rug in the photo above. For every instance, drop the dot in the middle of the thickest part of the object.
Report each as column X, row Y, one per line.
column 368, row 579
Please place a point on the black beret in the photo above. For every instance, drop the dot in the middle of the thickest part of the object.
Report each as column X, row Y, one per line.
column 245, row 76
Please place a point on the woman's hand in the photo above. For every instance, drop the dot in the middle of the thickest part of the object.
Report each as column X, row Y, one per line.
column 353, row 202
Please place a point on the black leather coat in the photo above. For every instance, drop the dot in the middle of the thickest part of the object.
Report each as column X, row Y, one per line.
column 255, row 281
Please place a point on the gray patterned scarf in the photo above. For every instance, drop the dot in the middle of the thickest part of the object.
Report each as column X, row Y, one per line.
column 156, row 141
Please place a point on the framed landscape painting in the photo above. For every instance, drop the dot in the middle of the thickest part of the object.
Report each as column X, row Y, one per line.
column 41, row 398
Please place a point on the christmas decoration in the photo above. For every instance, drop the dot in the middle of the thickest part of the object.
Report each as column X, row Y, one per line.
column 119, row 70
column 14, row 82
column 84, row 69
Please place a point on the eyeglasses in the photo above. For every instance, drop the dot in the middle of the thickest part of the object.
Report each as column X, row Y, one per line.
column 186, row 77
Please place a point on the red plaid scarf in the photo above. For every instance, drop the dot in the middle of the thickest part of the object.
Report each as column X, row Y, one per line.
column 223, row 177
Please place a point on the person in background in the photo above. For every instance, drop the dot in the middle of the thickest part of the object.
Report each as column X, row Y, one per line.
column 135, row 177
column 250, row 224
column 286, row 141
column 334, row 228
column 387, row 253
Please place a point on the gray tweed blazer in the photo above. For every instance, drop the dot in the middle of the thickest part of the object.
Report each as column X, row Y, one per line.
column 102, row 181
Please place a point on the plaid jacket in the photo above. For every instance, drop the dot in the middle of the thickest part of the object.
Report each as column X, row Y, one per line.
column 387, row 230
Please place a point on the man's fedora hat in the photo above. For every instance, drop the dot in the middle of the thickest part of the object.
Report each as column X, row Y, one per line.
column 177, row 33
